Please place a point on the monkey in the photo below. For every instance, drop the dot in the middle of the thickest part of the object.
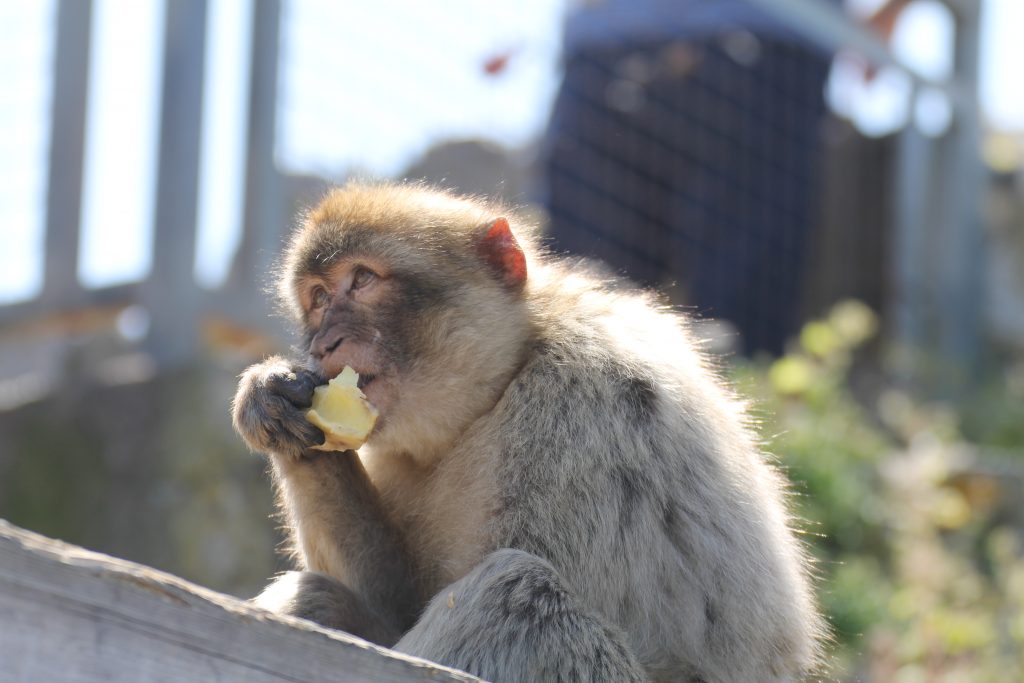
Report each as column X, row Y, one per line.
column 559, row 486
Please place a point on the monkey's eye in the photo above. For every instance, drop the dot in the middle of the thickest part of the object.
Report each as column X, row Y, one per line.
column 319, row 297
column 362, row 277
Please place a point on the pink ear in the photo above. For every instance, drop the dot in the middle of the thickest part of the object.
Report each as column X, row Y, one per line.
column 499, row 248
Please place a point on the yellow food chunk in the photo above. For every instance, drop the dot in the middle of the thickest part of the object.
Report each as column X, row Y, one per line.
column 341, row 410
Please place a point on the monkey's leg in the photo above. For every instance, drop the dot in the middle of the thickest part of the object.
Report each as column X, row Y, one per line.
column 512, row 619
column 341, row 530
column 327, row 602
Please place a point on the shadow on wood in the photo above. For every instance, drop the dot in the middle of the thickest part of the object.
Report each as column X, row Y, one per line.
column 69, row 614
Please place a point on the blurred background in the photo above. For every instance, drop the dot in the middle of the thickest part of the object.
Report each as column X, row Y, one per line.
column 836, row 186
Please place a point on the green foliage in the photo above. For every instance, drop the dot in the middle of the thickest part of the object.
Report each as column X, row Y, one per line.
column 995, row 417
column 919, row 553
column 33, row 497
column 150, row 471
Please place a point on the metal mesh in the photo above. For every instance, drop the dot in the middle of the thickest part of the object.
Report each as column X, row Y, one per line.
column 693, row 165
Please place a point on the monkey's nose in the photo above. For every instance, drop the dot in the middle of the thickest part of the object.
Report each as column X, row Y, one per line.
column 323, row 344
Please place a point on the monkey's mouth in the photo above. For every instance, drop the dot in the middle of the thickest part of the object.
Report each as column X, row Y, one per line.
column 364, row 380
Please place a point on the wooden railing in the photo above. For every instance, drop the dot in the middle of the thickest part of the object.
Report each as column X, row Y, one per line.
column 68, row 614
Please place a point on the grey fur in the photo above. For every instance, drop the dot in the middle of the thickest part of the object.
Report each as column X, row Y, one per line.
column 330, row 603
column 511, row 619
column 576, row 423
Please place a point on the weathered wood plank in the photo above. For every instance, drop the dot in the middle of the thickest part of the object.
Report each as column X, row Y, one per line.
column 69, row 614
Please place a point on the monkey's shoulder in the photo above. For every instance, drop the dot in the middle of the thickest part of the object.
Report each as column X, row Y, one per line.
column 602, row 387
column 569, row 380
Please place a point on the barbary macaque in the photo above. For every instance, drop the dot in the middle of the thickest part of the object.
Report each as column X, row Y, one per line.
column 558, row 487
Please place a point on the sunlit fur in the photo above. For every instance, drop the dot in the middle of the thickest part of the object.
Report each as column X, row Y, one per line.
column 575, row 420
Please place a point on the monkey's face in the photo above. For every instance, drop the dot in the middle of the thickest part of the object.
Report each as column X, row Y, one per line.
column 424, row 301
column 350, row 319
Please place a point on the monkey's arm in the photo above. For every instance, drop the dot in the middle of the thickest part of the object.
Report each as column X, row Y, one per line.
column 338, row 524
column 340, row 529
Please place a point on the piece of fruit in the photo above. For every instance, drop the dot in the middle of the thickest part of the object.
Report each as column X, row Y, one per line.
column 341, row 410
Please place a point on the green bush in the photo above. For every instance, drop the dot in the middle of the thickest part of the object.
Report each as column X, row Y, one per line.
column 920, row 564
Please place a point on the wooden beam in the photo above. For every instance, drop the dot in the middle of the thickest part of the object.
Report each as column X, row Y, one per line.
column 67, row 152
column 265, row 222
column 69, row 614
column 170, row 293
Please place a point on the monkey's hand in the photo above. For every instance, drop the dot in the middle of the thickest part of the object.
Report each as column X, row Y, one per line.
column 269, row 408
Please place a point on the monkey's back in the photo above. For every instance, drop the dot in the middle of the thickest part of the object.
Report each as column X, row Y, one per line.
column 625, row 460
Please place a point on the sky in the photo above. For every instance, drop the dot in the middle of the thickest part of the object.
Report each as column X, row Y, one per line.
column 363, row 85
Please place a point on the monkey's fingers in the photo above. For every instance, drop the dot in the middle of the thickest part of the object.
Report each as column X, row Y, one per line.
column 296, row 387
column 292, row 440
column 308, row 434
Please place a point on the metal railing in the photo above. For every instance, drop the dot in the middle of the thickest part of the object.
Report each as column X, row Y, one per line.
column 936, row 264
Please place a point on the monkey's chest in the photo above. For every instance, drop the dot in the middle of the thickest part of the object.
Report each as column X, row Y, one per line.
column 445, row 522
